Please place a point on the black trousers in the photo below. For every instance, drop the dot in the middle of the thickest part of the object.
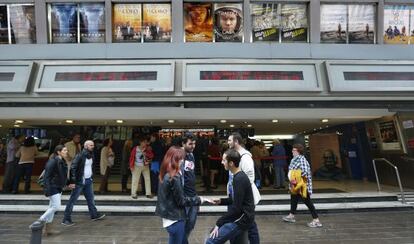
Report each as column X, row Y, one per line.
column 9, row 175
column 294, row 199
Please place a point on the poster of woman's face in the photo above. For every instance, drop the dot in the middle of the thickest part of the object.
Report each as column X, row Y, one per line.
column 228, row 22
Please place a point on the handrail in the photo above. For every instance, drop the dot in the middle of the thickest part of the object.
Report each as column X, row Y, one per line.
column 396, row 172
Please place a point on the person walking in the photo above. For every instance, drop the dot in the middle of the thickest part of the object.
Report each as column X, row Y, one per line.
column 106, row 163
column 139, row 164
column 55, row 179
column 235, row 142
column 188, row 144
column 233, row 225
column 171, row 199
column 299, row 162
column 81, row 180
column 27, row 154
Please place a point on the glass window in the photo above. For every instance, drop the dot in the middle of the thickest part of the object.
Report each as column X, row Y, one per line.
column 265, row 22
column 157, row 22
column 294, row 23
column 228, row 22
column 17, row 24
column 198, row 22
column 334, row 23
column 280, row 22
column 64, row 26
column 126, row 23
column 348, row 23
column 397, row 26
column 4, row 30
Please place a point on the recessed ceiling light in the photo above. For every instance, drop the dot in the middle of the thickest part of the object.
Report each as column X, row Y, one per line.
column 198, row 122
column 249, row 125
column 1, row 126
column 291, row 122
column 16, row 126
column 151, row 122
column 231, row 126
column 69, row 121
column 119, row 121
column 223, row 121
column 245, row 122
column 275, row 121
column 18, row 121
column 325, row 120
column 171, row 121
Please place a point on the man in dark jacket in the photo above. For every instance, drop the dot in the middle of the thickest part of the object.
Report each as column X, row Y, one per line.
column 81, row 180
column 233, row 225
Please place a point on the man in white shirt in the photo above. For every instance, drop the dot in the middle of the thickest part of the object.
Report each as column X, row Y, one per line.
column 81, row 180
column 235, row 141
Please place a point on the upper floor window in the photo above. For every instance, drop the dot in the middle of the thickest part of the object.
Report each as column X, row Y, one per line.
column 17, row 24
column 399, row 24
column 348, row 23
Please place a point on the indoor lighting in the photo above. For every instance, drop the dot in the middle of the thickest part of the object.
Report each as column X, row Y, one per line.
column 325, row 120
column 1, row 126
column 18, row 121
column 119, row 121
column 17, row 126
column 223, row 121
column 245, row 122
column 231, row 126
column 69, row 121
column 249, row 125
column 171, row 121
column 275, row 121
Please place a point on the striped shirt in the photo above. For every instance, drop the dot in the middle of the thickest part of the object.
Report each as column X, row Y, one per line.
column 300, row 162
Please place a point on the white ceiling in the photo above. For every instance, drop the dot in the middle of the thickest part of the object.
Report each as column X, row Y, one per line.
column 291, row 121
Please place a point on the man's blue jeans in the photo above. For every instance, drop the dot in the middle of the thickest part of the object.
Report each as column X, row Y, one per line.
column 229, row 231
column 254, row 237
column 87, row 189
column 176, row 232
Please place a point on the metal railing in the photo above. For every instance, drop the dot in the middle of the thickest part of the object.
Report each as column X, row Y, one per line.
column 396, row 172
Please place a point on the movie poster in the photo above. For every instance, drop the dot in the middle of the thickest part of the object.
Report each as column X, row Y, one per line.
column 157, row 22
column 228, row 22
column 126, row 22
column 92, row 22
column 294, row 23
column 389, row 137
column 64, row 23
column 333, row 23
column 265, row 22
column 361, row 23
column 396, row 24
column 23, row 24
column 198, row 22
column 4, row 31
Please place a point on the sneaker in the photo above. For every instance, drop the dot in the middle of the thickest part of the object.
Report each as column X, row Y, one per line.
column 315, row 224
column 134, row 197
column 150, row 196
column 290, row 219
column 68, row 223
column 98, row 217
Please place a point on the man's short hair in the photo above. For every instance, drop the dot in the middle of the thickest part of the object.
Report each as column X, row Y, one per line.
column 188, row 136
column 237, row 137
column 233, row 156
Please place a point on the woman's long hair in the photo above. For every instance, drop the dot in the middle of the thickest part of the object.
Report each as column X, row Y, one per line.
column 171, row 162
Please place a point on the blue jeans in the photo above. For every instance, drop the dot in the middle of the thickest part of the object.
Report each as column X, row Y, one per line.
column 279, row 176
column 26, row 171
column 228, row 231
column 191, row 218
column 176, row 232
column 87, row 189
column 253, row 232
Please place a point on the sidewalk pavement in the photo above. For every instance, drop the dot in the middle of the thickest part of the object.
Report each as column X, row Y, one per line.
column 393, row 227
